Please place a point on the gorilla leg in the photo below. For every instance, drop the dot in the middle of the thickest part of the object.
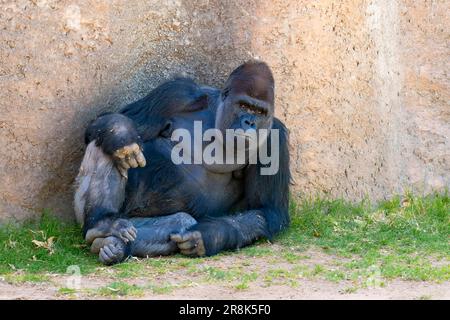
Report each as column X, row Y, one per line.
column 153, row 238
column 99, row 196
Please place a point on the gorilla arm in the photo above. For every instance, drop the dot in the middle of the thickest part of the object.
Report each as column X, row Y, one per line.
column 117, row 136
column 114, row 146
column 267, row 198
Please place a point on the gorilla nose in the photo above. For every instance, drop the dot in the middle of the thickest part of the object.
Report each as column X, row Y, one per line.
column 247, row 123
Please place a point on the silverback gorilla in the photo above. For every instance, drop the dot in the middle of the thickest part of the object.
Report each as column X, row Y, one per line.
column 133, row 200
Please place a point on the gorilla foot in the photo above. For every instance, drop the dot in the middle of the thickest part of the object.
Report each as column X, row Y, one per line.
column 190, row 243
column 127, row 157
column 112, row 251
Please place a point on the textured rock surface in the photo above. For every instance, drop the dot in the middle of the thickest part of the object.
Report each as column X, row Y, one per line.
column 362, row 85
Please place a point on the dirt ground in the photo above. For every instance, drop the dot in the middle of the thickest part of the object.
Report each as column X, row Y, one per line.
column 307, row 289
column 185, row 284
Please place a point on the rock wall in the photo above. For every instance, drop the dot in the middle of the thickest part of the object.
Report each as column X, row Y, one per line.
column 362, row 85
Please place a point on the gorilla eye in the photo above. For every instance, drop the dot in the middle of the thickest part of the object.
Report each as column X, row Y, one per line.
column 252, row 109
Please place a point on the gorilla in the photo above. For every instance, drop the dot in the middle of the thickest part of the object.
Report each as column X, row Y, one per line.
column 132, row 199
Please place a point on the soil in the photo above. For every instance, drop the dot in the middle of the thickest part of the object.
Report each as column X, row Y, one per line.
column 307, row 289
column 197, row 288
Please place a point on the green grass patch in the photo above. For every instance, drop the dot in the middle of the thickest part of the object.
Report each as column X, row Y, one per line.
column 15, row 278
column 66, row 291
column 258, row 250
column 161, row 289
column 404, row 237
column 47, row 245
column 129, row 269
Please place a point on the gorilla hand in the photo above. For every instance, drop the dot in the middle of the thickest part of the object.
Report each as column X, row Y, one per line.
column 121, row 228
column 190, row 243
column 129, row 156
column 118, row 138
column 124, row 230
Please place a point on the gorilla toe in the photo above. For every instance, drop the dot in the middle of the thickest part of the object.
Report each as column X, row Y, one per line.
column 113, row 251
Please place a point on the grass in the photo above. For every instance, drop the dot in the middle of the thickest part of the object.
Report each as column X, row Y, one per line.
column 20, row 278
column 403, row 238
column 46, row 245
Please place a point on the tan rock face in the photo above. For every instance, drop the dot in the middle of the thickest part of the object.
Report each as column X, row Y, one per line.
column 362, row 85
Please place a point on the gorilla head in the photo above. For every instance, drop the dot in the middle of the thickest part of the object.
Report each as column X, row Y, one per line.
column 247, row 99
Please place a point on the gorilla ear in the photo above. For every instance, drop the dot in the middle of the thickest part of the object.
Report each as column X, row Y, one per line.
column 166, row 131
column 198, row 104
column 225, row 93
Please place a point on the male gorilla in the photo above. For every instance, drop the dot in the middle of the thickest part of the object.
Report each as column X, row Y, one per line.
column 134, row 201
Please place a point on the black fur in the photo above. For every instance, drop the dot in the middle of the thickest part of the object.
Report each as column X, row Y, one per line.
column 112, row 131
column 151, row 113
column 266, row 205
column 233, row 209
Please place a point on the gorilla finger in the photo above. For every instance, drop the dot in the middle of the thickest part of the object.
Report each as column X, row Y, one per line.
column 119, row 154
column 186, row 245
column 123, row 172
column 104, row 257
column 112, row 247
column 196, row 235
column 123, row 238
column 108, row 251
column 133, row 232
column 140, row 159
column 181, row 237
column 129, row 235
column 135, row 147
column 176, row 237
column 97, row 244
column 132, row 162
column 126, row 237
column 124, row 164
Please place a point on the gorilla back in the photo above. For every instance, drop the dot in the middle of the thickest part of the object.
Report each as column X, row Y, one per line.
column 197, row 209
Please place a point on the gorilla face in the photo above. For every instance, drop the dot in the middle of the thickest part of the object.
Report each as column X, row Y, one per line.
column 243, row 112
column 247, row 101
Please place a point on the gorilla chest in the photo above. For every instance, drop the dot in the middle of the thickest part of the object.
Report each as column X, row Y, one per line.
column 211, row 193
column 163, row 188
